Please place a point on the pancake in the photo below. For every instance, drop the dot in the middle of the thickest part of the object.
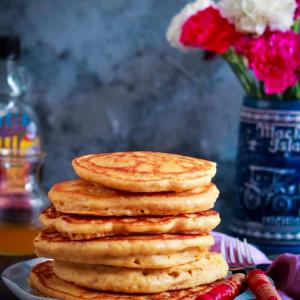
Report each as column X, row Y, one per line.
column 54, row 245
column 208, row 268
column 153, row 261
column 85, row 198
column 78, row 227
column 142, row 171
column 46, row 283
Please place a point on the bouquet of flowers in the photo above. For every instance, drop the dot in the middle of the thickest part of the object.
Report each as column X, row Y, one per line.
column 259, row 38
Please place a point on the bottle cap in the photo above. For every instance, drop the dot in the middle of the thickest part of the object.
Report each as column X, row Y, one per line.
column 10, row 46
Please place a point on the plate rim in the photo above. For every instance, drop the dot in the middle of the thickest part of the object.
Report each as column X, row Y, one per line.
column 14, row 287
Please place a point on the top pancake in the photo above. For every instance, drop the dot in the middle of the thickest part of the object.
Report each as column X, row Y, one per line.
column 142, row 171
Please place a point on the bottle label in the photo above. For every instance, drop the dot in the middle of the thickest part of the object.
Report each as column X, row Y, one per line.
column 18, row 141
column 18, row 135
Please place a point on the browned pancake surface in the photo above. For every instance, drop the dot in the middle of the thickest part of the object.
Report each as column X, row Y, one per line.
column 208, row 268
column 143, row 171
column 43, row 279
column 52, row 213
column 54, row 245
column 79, row 227
column 50, row 236
column 83, row 188
column 82, row 197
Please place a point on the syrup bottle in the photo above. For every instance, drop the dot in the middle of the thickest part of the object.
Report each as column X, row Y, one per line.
column 21, row 155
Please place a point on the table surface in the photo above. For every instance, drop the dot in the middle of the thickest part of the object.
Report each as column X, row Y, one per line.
column 6, row 261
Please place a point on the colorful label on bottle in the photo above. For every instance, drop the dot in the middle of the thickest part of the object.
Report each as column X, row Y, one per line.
column 19, row 142
column 18, row 135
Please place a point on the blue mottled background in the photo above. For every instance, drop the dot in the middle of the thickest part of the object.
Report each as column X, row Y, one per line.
column 105, row 79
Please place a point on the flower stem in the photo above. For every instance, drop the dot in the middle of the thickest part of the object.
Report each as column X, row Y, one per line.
column 296, row 26
column 254, row 87
column 238, row 66
column 297, row 90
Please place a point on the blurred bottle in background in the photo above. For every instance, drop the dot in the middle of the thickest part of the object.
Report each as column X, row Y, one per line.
column 21, row 155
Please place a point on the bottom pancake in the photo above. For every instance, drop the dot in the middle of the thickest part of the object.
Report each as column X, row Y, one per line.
column 208, row 268
column 45, row 282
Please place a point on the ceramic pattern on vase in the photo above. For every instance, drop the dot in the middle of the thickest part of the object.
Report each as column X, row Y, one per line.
column 268, row 175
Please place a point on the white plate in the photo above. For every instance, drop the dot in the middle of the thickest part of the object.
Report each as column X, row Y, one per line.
column 16, row 276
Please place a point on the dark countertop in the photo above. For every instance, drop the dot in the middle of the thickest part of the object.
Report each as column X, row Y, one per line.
column 6, row 261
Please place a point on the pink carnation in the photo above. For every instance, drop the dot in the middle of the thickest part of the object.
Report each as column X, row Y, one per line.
column 208, row 30
column 274, row 58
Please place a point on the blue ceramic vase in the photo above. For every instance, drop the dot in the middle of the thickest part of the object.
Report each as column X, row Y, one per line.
column 267, row 208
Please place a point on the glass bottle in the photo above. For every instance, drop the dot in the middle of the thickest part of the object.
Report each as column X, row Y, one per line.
column 21, row 156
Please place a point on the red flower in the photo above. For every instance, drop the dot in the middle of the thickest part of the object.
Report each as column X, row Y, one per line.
column 274, row 58
column 243, row 45
column 208, row 30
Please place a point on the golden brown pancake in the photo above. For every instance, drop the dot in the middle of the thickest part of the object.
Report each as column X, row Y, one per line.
column 45, row 282
column 78, row 227
column 208, row 268
column 54, row 245
column 143, row 171
column 153, row 261
column 85, row 198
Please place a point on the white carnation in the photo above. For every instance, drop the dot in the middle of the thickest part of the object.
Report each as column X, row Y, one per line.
column 254, row 16
column 175, row 27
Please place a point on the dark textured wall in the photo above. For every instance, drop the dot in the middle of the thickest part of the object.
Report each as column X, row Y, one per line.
column 105, row 79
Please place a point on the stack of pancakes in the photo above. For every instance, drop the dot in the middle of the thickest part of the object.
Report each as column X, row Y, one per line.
column 135, row 223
